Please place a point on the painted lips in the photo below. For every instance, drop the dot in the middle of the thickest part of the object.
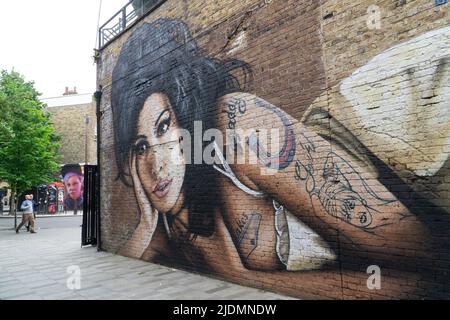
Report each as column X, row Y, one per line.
column 162, row 188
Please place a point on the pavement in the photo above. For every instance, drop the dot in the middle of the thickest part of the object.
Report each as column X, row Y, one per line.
column 51, row 265
column 44, row 222
column 6, row 215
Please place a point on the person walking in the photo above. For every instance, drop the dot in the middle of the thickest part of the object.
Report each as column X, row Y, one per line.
column 35, row 209
column 27, row 214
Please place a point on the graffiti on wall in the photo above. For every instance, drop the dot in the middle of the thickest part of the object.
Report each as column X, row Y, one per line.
column 317, row 210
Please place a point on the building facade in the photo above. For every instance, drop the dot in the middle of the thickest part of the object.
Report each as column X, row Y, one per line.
column 74, row 118
column 354, row 200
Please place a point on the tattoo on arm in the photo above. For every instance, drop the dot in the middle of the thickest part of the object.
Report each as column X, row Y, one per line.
column 287, row 153
column 234, row 108
column 237, row 107
column 336, row 193
column 247, row 233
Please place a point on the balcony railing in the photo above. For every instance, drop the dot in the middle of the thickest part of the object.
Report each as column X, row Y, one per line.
column 124, row 18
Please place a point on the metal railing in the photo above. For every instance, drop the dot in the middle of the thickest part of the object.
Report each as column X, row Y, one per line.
column 124, row 18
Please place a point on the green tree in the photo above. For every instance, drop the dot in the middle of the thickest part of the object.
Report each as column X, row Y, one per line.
column 28, row 143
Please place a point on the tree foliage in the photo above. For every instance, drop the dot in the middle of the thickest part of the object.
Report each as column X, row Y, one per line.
column 28, row 142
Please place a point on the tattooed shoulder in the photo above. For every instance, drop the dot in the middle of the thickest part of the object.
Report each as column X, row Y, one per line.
column 233, row 108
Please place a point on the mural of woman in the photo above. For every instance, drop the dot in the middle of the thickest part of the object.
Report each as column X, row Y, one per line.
column 305, row 207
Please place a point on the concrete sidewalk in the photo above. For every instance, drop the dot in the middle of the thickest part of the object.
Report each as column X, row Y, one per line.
column 34, row 266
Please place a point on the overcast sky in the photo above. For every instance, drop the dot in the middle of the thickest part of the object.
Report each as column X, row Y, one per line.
column 51, row 42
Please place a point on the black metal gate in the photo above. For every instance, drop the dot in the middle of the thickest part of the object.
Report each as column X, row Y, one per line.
column 91, row 213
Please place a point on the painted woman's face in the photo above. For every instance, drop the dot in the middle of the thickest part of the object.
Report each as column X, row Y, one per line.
column 159, row 160
column 74, row 187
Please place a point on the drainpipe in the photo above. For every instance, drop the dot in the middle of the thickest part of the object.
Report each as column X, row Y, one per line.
column 98, row 98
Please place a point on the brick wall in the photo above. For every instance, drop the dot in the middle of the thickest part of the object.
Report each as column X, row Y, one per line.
column 78, row 144
column 361, row 87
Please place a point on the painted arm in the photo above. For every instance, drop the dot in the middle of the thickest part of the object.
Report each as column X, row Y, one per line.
column 318, row 182
column 221, row 257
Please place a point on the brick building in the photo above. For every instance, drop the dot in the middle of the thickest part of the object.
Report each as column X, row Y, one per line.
column 73, row 116
column 353, row 203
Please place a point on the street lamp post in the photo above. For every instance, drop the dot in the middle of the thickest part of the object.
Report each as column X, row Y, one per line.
column 86, row 120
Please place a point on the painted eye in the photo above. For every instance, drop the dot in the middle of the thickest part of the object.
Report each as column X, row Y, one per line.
column 163, row 127
column 141, row 147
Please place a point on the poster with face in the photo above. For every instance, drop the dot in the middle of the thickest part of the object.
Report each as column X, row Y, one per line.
column 73, row 185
